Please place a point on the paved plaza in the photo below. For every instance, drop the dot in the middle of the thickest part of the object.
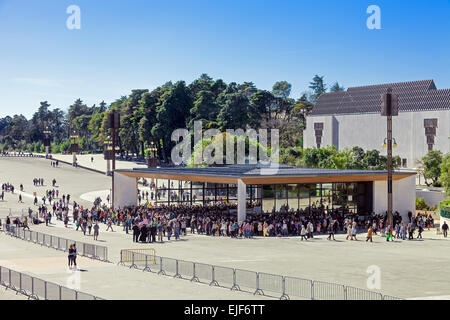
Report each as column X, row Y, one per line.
column 409, row 269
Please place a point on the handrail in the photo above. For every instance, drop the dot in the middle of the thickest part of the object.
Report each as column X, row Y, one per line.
column 258, row 282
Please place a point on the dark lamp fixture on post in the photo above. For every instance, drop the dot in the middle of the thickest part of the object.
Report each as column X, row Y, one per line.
column 152, row 161
column 108, row 154
column 389, row 109
column 47, row 134
column 74, row 137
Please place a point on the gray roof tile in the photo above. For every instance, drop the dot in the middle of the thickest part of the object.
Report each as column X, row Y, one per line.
column 413, row 96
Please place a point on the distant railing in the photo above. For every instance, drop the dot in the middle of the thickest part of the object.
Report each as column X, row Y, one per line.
column 272, row 285
column 17, row 154
column 13, row 213
column 35, row 288
column 84, row 249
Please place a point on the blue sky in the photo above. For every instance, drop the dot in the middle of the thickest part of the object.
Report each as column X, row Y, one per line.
column 124, row 45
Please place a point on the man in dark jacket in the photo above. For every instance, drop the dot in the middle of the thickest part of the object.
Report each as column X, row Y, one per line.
column 153, row 232
column 445, row 229
column 143, row 232
column 135, row 233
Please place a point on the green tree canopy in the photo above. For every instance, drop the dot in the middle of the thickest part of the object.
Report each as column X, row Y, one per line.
column 336, row 87
column 318, row 87
column 432, row 166
column 445, row 173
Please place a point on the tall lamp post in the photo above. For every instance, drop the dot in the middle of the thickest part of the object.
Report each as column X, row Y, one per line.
column 74, row 137
column 389, row 109
column 47, row 133
column 114, row 125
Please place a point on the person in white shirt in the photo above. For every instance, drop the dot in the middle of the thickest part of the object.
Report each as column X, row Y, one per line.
column 303, row 233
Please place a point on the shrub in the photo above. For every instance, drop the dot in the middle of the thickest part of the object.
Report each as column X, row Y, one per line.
column 421, row 204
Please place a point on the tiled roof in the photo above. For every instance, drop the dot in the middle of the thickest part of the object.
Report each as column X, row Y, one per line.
column 412, row 96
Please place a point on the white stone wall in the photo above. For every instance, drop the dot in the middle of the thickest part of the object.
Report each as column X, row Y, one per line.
column 125, row 191
column 404, row 196
column 432, row 198
column 368, row 131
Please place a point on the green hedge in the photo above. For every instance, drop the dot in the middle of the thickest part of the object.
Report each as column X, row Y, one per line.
column 445, row 212
column 445, row 209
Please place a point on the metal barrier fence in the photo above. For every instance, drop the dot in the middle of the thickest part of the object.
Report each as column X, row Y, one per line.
column 84, row 249
column 272, row 285
column 125, row 255
column 35, row 288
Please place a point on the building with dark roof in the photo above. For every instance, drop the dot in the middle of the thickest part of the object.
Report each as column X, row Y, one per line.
column 270, row 188
column 352, row 118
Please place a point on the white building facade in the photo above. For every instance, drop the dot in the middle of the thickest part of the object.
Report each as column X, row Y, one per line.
column 352, row 118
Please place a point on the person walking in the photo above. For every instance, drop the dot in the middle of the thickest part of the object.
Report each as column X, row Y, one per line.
column 410, row 231
column 445, row 229
column 160, row 232
column 303, row 233
column 403, row 231
column 397, row 231
column 419, row 236
column 389, row 234
column 369, row 234
column 78, row 223
column 89, row 225
column 153, row 232
column 96, row 229
column 74, row 259
column 84, row 226
column 331, row 231
column 125, row 225
column 70, row 256
column 25, row 223
column 177, row 230
column 349, row 232
column 8, row 223
column 310, row 230
column 354, row 230
column 109, row 225
column 135, row 233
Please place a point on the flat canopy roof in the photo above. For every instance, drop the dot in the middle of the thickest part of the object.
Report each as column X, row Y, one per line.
column 260, row 174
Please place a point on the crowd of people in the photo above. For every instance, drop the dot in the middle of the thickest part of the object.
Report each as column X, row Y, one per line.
column 38, row 182
column 153, row 223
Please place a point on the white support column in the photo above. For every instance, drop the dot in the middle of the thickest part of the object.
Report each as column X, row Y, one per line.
column 404, row 196
column 242, row 201
column 125, row 191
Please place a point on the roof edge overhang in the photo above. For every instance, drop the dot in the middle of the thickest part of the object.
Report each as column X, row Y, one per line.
column 266, row 179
